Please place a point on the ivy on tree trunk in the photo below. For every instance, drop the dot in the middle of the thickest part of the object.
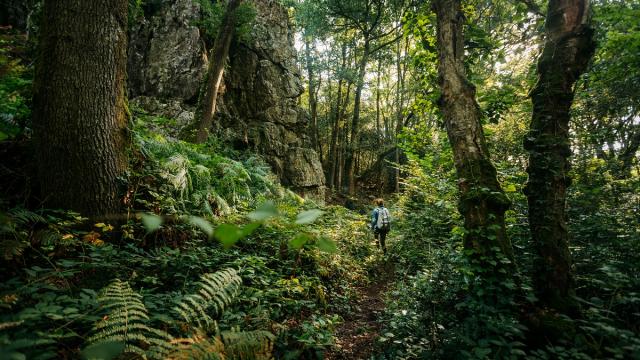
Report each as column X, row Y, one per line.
column 482, row 201
column 567, row 50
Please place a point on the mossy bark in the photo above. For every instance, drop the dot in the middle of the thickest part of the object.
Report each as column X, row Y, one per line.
column 567, row 50
column 80, row 105
column 482, row 201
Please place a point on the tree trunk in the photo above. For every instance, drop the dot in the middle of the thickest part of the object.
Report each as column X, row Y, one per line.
column 79, row 105
column 482, row 202
column 336, row 124
column 379, row 137
column 313, row 102
column 567, row 51
column 399, row 112
column 355, row 122
column 207, row 105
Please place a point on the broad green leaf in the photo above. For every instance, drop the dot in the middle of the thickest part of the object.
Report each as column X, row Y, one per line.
column 151, row 222
column 299, row 240
column 326, row 245
column 203, row 224
column 228, row 234
column 263, row 212
column 309, row 216
column 250, row 228
column 3, row 136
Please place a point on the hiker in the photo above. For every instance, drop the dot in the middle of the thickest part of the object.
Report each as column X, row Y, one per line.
column 380, row 223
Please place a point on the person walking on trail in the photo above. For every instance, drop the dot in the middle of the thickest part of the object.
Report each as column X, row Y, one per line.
column 380, row 223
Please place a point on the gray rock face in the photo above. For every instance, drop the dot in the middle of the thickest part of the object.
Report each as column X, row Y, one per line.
column 259, row 104
column 166, row 54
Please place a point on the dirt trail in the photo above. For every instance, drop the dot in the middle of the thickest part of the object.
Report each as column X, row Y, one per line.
column 357, row 335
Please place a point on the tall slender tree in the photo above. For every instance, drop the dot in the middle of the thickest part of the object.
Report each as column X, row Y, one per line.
column 482, row 201
column 369, row 18
column 567, row 51
column 79, row 104
column 207, row 104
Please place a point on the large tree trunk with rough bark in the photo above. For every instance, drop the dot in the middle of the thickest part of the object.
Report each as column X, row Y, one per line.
column 79, row 104
column 207, row 105
column 567, row 50
column 482, row 201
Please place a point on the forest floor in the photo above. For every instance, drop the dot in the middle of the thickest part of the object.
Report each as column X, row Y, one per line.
column 356, row 336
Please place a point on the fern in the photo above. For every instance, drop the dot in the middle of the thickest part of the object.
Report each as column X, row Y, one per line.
column 15, row 228
column 198, row 346
column 127, row 321
column 128, row 318
column 216, row 291
column 248, row 345
column 24, row 217
column 238, row 345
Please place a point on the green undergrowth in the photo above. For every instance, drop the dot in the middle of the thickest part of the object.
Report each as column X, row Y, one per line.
column 443, row 307
column 72, row 288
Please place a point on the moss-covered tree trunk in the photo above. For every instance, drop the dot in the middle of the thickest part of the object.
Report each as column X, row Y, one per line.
column 207, row 104
column 482, row 201
column 567, row 50
column 79, row 104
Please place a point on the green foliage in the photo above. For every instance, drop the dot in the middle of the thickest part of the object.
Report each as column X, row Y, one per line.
column 213, row 14
column 126, row 322
column 16, row 76
column 179, row 177
column 216, row 291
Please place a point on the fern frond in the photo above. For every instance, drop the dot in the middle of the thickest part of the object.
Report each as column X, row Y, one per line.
column 127, row 322
column 23, row 217
column 248, row 345
column 216, row 291
column 198, row 347
column 12, row 248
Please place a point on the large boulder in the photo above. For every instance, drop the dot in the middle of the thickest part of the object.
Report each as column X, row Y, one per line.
column 258, row 107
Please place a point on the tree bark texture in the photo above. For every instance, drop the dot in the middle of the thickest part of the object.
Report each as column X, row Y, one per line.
column 567, row 50
column 207, row 105
column 79, row 104
column 482, row 201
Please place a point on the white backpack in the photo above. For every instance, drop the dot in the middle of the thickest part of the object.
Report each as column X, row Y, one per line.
column 384, row 220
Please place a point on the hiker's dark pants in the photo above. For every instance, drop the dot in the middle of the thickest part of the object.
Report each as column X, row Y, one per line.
column 381, row 236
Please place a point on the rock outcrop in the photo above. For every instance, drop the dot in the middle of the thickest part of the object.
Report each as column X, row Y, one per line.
column 259, row 108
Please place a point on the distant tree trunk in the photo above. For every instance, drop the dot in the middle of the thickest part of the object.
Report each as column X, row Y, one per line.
column 313, row 101
column 627, row 156
column 482, row 202
column 79, row 104
column 568, row 48
column 355, row 122
column 379, row 137
column 336, row 124
column 399, row 109
column 207, row 104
